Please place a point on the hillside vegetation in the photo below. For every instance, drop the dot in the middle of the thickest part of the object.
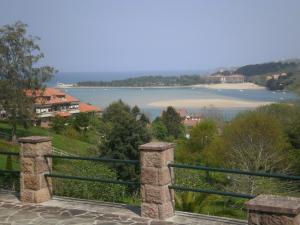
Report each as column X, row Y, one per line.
column 261, row 74
column 148, row 81
column 265, row 68
column 59, row 141
column 256, row 73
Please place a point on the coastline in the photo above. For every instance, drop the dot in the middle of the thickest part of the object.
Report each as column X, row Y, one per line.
column 233, row 86
column 216, row 103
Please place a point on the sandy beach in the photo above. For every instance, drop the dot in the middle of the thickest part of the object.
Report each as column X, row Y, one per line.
column 239, row 86
column 216, row 103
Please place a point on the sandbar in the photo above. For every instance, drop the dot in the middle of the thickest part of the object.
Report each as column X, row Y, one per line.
column 240, row 86
column 216, row 103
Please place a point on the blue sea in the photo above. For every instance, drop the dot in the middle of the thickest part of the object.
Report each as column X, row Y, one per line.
column 141, row 97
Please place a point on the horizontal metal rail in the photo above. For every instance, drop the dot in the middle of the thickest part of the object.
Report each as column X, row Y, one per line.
column 9, row 171
column 231, row 194
column 9, row 153
column 134, row 162
column 234, row 171
column 109, row 181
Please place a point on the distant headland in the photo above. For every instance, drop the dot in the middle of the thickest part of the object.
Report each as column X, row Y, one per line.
column 272, row 75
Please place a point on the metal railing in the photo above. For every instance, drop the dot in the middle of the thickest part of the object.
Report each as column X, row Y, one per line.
column 171, row 165
column 5, row 171
column 61, row 152
column 94, row 179
column 5, row 136
column 224, row 170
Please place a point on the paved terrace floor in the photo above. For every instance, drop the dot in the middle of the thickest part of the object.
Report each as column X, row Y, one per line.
column 66, row 211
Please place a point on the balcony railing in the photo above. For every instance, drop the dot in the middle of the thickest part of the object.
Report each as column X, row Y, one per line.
column 157, row 175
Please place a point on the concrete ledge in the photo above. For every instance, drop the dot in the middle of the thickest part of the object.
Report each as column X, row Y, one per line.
column 34, row 139
column 157, row 146
column 274, row 204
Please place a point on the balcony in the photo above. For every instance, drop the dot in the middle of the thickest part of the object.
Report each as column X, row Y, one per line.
column 38, row 205
column 75, row 211
column 45, row 114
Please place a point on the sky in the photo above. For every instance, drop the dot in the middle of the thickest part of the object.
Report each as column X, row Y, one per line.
column 158, row 35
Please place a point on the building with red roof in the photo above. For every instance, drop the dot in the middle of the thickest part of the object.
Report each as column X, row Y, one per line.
column 53, row 102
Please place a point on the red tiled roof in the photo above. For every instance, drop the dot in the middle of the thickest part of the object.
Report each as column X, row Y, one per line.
column 47, row 92
column 191, row 122
column 84, row 107
column 51, row 96
column 182, row 112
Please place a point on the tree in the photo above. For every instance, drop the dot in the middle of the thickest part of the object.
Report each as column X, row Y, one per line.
column 19, row 72
column 289, row 118
column 124, row 133
column 159, row 130
column 172, row 121
column 81, row 121
column 253, row 141
column 201, row 135
column 58, row 124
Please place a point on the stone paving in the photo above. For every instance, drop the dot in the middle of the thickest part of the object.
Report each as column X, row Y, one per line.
column 16, row 214
column 62, row 211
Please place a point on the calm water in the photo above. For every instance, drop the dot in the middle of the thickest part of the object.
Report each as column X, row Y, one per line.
column 102, row 97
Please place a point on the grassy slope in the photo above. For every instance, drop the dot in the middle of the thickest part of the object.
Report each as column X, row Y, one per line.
column 6, row 146
column 59, row 141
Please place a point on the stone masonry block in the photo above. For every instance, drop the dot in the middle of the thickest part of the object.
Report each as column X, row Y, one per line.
column 155, row 176
column 164, row 176
column 27, row 196
column 165, row 210
column 35, row 188
column 27, row 165
column 43, row 165
column 37, row 149
column 34, row 139
column 149, row 210
column 273, row 210
column 149, row 175
column 156, row 146
column 169, row 155
column 270, row 219
column 42, row 195
column 31, row 182
column 35, row 165
column 151, row 159
column 155, row 194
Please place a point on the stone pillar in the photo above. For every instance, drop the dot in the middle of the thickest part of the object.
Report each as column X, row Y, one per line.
column 273, row 210
column 156, row 176
column 35, row 188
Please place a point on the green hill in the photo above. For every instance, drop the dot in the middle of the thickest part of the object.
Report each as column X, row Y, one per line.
column 265, row 68
column 59, row 141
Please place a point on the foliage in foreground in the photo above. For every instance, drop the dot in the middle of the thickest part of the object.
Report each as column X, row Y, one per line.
column 87, row 189
column 264, row 140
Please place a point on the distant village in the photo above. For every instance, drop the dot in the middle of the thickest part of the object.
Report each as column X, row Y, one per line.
column 53, row 102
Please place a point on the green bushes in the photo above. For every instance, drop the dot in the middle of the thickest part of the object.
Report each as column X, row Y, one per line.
column 264, row 140
column 86, row 189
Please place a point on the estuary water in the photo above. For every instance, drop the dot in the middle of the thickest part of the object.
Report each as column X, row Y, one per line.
column 142, row 97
